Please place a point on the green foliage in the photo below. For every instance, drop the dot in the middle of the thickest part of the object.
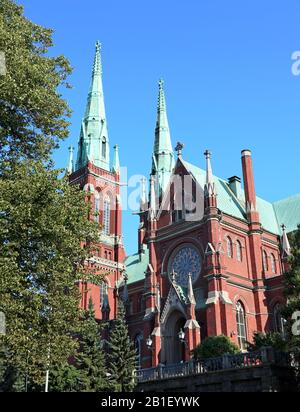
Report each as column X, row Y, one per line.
column 65, row 378
column 43, row 221
column 273, row 339
column 91, row 357
column 292, row 292
column 214, row 346
column 122, row 357
column 32, row 111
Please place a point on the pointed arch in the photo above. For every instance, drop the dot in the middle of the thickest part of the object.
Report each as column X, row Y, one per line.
column 106, row 215
column 241, row 325
column 103, row 147
column 265, row 261
column 273, row 263
column 239, row 251
column 229, row 247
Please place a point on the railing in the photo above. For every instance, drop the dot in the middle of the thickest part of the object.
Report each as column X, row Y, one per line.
column 266, row 355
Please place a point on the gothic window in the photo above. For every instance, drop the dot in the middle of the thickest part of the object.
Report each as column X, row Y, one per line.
column 273, row 263
column 229, row 247
column 278, row 319
column 138, row 346
column 106, row 217
column 104, row 147
column 103, row 292
column 131, row 308
column 239, row 254
column 241, row 325
column 141, row 304
column 265, row 261
column 97, row 207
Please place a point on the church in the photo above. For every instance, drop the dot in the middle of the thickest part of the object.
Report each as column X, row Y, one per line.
column 211, row 254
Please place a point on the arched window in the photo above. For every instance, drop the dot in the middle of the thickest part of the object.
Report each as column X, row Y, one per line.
column 229, row 247
column 278, row 319
column 241, row 325
column 273, row 263
column 104, row 147
column 138, row 346
column 103, row 293
column 239, row 253
column 106, row 217
column 265, row 261
column 141, row 303
column 97, row 207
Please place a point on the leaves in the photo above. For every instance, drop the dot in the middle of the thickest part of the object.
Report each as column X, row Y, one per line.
column 214, row 346
column 43, row 222
column 33, row 115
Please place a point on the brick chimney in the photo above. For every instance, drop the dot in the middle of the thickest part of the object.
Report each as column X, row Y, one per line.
column 249, row 187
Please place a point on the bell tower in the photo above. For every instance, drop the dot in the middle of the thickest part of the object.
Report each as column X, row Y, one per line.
column 95, row 175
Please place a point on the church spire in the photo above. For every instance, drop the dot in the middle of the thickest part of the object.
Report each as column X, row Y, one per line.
column 163, row 157
column 93, row 142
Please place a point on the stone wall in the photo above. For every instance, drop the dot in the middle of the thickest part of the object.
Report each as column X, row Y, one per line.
column 264, row 378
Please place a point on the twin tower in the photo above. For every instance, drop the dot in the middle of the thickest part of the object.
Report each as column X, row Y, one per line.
column 93, row 144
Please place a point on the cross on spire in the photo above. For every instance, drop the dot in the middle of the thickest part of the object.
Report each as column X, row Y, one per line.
column 179, row 148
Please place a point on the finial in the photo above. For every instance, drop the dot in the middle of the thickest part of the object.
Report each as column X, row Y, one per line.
column 71, row 162
column 97, row 62
column 179, row 148
column 191, row 296
column 209, row 176
column 152, row 208
column 161, row 96
column 116, row 161
column 143, row 199
column 285, row 242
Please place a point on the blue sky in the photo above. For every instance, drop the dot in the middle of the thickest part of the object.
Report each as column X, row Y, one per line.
column 228, row 81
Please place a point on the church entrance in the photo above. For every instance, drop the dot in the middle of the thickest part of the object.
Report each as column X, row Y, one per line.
column 173, row 349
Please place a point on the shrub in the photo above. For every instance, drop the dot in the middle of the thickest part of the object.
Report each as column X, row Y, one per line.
column 273, row 339
column 214, row 346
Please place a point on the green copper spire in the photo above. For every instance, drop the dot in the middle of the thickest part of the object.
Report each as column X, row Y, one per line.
column 93, row 142
column 116, row 161
column 163, row 157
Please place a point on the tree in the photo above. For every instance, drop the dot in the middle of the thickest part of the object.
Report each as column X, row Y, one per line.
column 273, row 339
column 43, row 225
column 90, row 359
column 292, row 291
column 65, row 378
column 32, row 111
column 122, row 357
column 214, row 346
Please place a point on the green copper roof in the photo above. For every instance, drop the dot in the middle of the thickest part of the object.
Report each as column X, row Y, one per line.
column 288, row 212
column 163, row 157
column 272, row 216
column 136, row 265
column 93, row 142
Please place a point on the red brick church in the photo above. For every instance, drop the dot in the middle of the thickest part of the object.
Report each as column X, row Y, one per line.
column 211, row 254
